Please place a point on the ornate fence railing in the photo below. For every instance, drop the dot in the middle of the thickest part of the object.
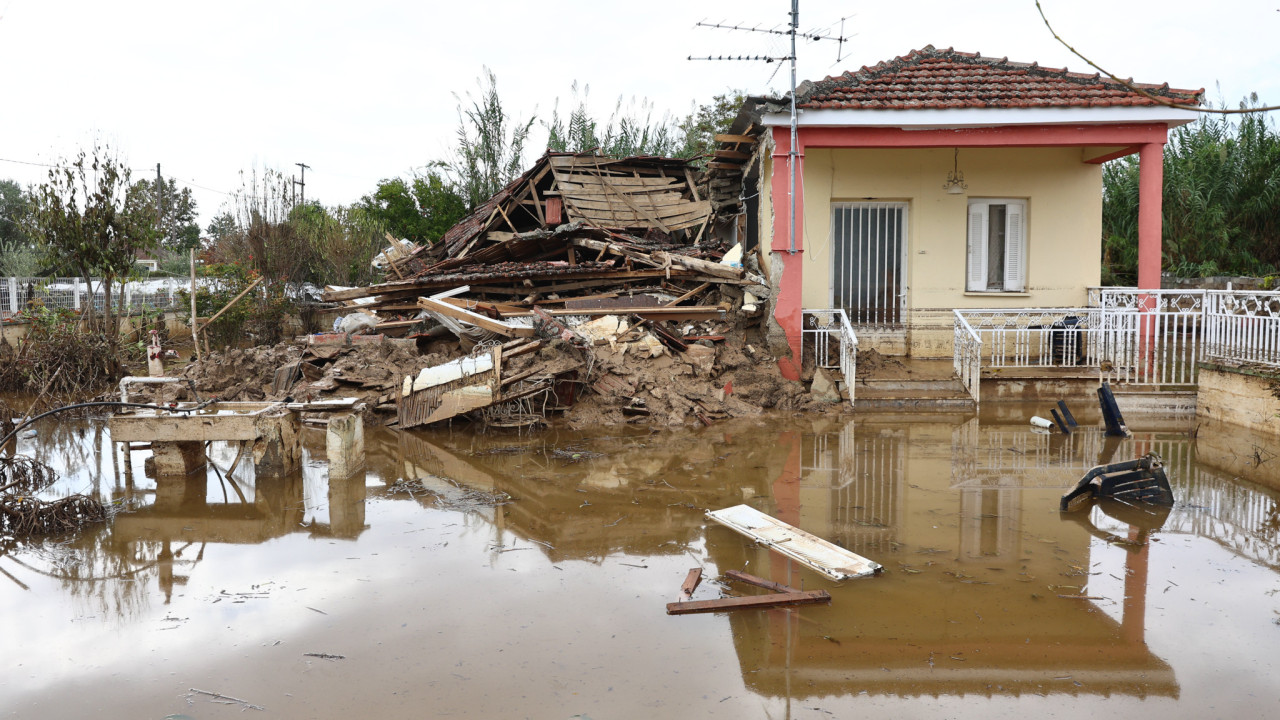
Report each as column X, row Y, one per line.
column 1242, row 327
column 1151, row 338
column 830, row 336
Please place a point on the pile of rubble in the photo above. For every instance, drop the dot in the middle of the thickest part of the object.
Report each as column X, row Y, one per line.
column 598, row 285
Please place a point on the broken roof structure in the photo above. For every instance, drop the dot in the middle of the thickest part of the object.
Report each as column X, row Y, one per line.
column 572, row 223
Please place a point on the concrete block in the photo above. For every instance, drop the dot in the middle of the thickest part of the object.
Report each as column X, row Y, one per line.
column 344, row 445
column 278, row 448
column 824, row 387
column 178, row 458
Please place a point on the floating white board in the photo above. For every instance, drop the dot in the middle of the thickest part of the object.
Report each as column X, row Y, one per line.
column 827, row 558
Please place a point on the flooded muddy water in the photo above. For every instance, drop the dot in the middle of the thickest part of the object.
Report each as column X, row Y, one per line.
column 527, row 576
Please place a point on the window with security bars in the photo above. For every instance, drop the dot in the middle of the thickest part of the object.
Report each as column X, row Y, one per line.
column 868, row 241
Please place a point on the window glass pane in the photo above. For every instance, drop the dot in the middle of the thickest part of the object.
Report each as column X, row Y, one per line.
column 995, row 247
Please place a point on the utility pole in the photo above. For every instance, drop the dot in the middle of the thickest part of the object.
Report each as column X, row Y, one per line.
column 303, row 182
column 159, row 192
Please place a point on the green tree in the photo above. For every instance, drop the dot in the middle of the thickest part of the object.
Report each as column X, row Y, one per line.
column 1221, row 200
column 176, row 211
column 628, row 131
column 490, row 150
column 420, row 210
column 81, row 220
column 222, row 226
column 703, row 124
column 18, row 254
column 343, row 242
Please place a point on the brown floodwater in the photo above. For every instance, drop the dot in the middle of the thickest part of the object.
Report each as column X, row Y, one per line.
column 552, row 605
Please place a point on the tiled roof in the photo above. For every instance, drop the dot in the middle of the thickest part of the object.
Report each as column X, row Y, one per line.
column 936, row 79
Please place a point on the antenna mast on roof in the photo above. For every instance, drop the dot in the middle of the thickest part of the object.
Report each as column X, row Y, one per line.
column 793, row 30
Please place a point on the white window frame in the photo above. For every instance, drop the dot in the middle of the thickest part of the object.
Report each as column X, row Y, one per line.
column 1015, row 250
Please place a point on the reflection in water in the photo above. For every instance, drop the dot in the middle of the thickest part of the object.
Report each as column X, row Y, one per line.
column 993, row 591
column 988, row 591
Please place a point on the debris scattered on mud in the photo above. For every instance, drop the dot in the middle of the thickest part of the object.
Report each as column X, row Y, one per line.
column 448, row 494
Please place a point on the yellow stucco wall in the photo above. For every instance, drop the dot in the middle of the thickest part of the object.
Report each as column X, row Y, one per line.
column 1064, row 225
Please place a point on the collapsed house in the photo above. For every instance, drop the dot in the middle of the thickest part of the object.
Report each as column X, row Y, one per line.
column 561, row 282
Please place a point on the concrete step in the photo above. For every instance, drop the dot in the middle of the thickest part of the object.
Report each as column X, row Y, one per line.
column 933, row 395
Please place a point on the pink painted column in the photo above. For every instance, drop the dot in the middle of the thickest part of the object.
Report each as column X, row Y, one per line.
column 1150, row 195
column 787, row 306
column 1150, row 220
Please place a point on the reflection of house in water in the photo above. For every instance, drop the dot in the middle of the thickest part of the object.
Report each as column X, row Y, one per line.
column 976, row 558
column 625, row 495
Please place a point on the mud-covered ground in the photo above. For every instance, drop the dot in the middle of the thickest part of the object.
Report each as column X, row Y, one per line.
column 635, row 382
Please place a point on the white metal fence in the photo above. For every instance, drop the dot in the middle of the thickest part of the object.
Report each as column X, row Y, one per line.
column 20, row 293
column 1242, row 326
column 968, row 355
column 1142, row 338
column 830, row 336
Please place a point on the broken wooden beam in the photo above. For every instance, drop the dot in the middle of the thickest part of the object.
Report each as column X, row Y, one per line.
column 772, row 600
column 476, row 319
column 690, row 584
column 759, row 582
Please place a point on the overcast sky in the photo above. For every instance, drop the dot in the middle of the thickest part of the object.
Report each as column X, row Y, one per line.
column 366, row 90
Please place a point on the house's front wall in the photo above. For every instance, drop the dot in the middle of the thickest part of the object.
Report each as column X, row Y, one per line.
column 1063, row 233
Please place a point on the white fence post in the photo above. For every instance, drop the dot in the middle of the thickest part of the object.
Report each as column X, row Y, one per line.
column 13, row 295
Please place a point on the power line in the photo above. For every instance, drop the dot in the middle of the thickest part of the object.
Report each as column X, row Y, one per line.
column 27, row 162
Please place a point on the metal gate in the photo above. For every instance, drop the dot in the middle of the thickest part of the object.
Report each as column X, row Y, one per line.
column 868, row 243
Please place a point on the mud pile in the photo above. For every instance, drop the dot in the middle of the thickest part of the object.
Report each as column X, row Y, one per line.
column 623, row 377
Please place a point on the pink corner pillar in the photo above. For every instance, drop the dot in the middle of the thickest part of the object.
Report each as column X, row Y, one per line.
column 787, row 305
column 1150, row 195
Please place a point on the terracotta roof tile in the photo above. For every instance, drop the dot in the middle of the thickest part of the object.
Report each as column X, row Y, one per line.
column 938, row 79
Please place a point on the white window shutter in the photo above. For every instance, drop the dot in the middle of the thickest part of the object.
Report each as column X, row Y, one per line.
column 1015, row 248
column 977, row 263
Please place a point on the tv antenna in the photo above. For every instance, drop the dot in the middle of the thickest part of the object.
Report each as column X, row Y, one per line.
column 793, row 30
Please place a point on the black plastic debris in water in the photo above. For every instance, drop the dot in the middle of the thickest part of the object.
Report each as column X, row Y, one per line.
column 1142, row 480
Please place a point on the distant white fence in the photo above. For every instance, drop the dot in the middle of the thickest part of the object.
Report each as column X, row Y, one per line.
column 19, row 293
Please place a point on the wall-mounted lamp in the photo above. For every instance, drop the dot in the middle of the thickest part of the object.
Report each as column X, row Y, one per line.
column 955, row 184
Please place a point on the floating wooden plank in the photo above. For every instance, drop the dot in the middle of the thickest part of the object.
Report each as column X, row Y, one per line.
column 759, row 582
column 726, row 138
column 773, row 600
column 827, row 558
column 690, row 584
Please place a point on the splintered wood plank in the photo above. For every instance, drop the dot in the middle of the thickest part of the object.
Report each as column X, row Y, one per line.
column 690, row 584
column 773, row 600
column 732, row 155
column 582, row 179
column 609, row 201
column 827, row 558
column 725, row 138
column 759, row 582
column 723, row 166
column 476, row 319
